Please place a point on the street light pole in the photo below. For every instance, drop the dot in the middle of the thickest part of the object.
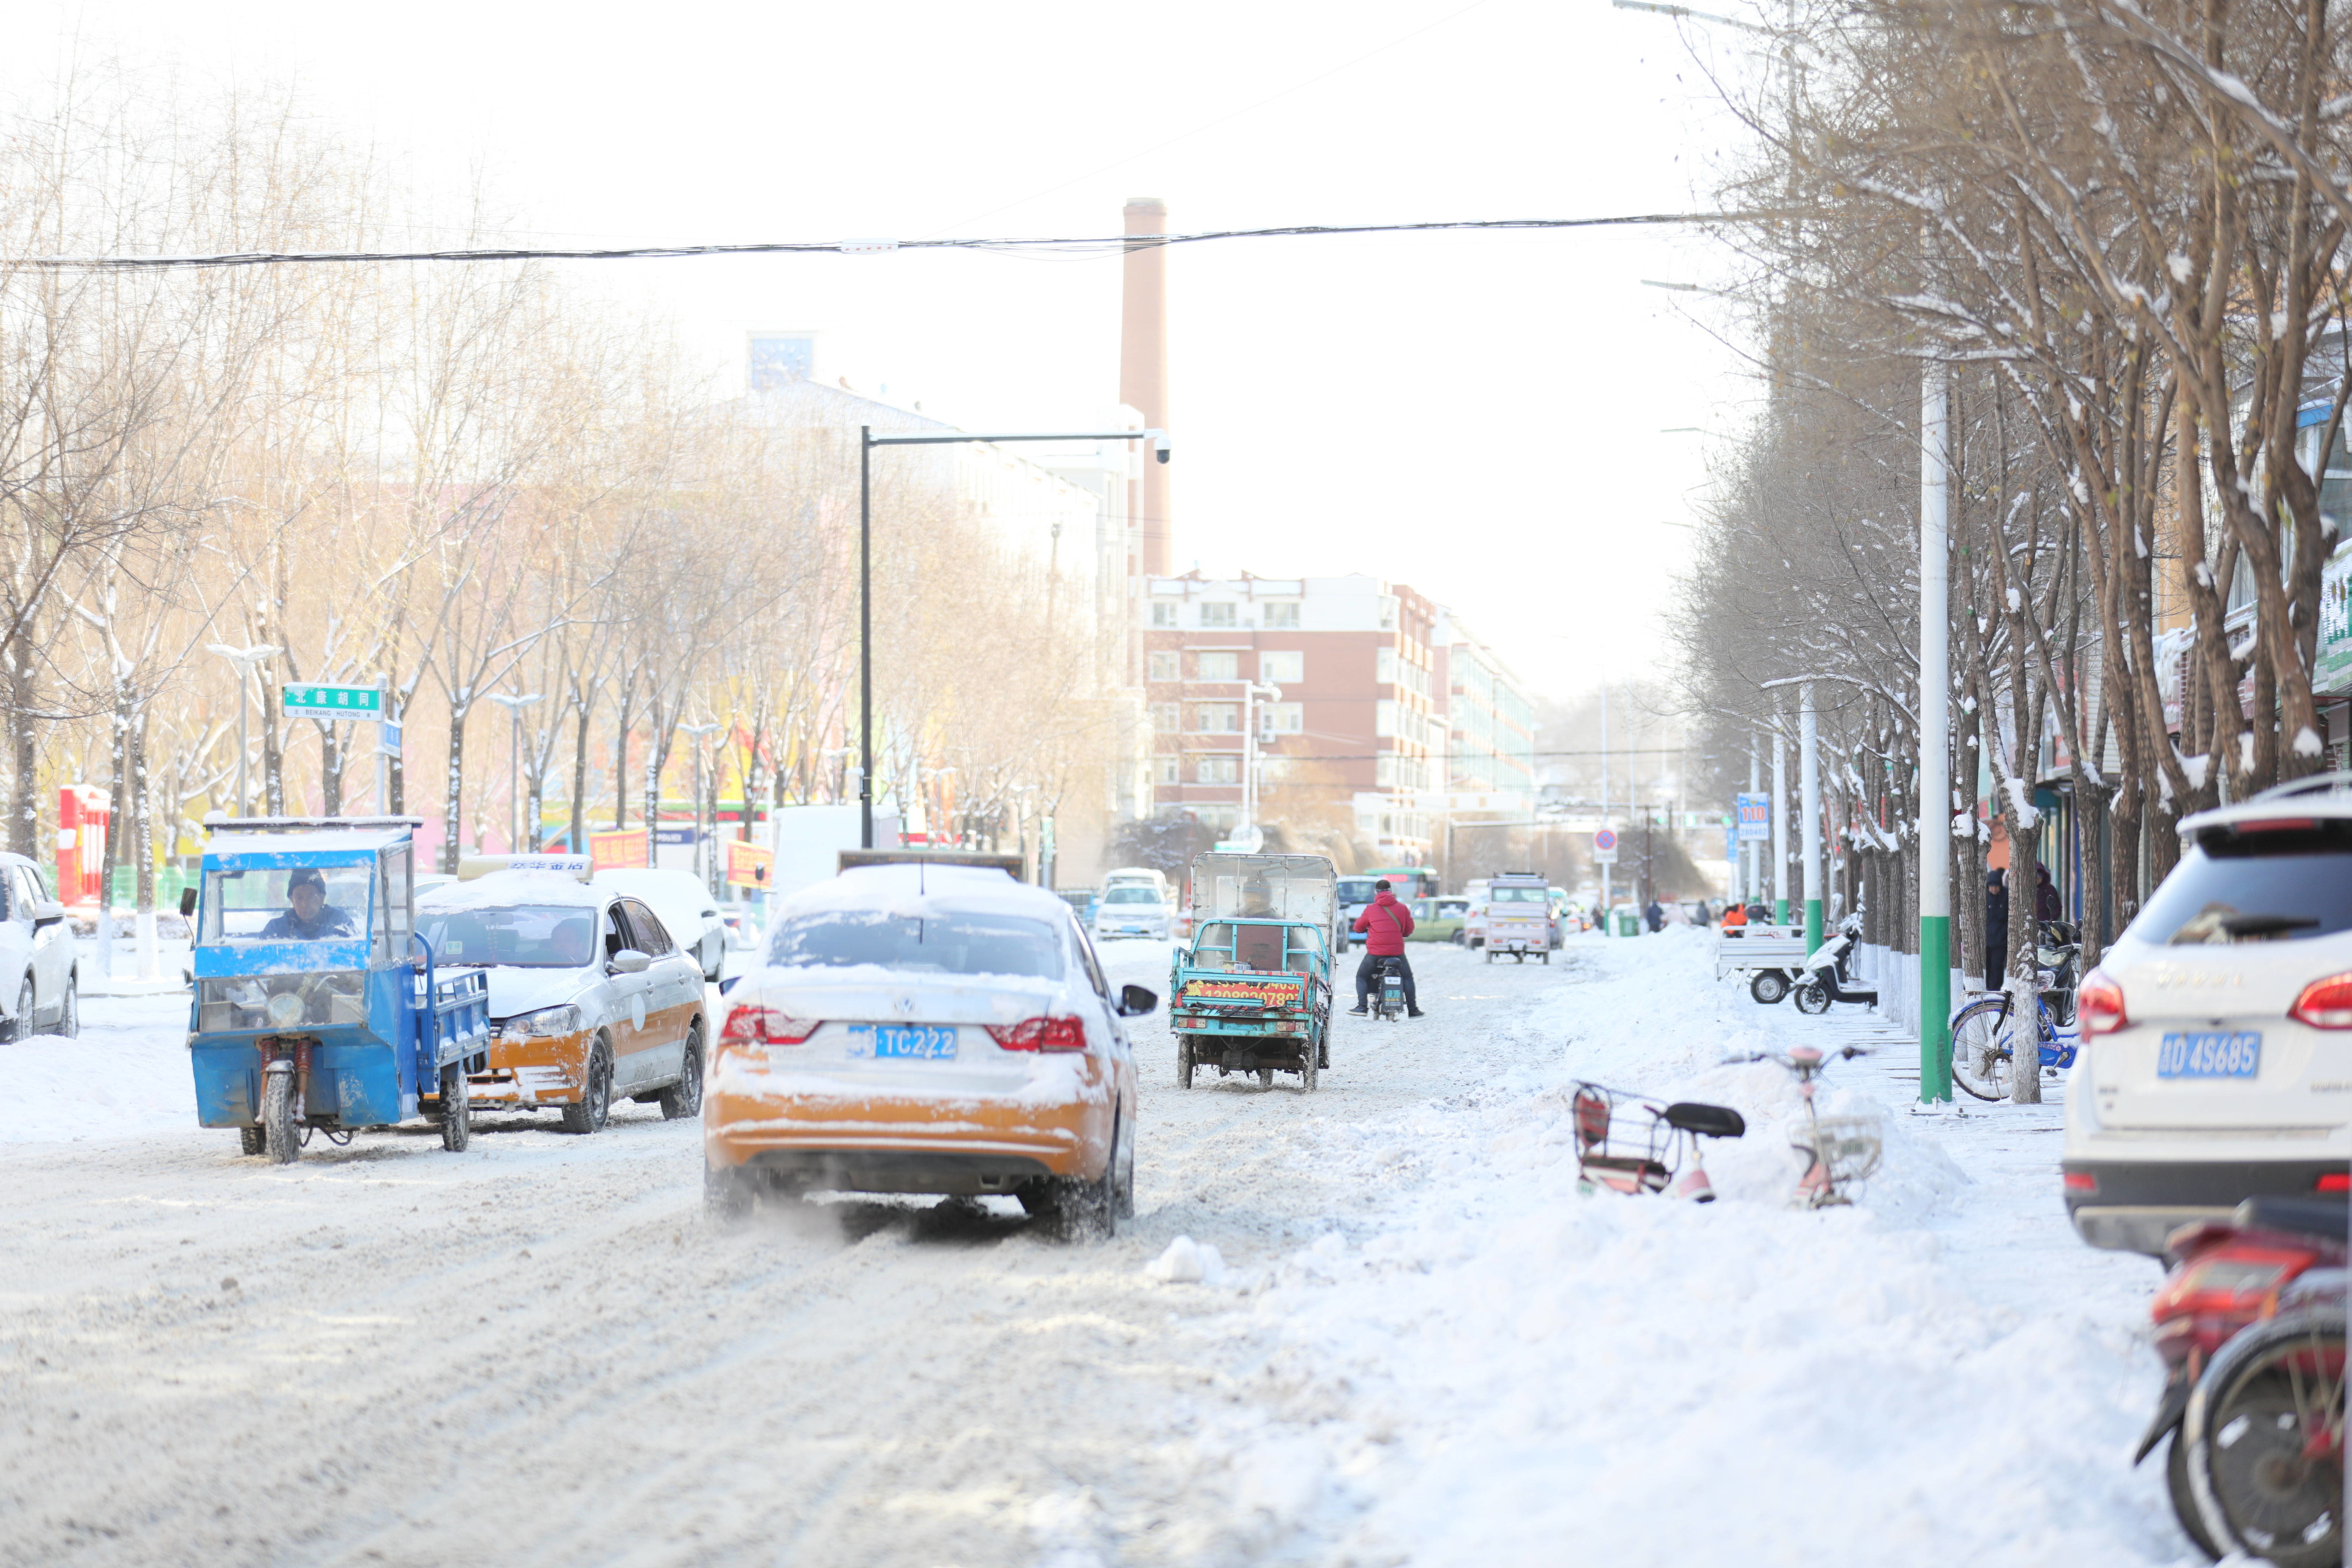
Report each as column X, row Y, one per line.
column 705, row 862
column 244, row 658
column 1779, row 820
column 1935, row 749
column 514, row 706
column 866, row 442
column 1809, row 801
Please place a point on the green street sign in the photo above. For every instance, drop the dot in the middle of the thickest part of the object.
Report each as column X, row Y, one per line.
column 332, row 702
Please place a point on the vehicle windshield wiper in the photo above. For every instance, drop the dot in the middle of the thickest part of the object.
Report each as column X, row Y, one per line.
column 2258, row 926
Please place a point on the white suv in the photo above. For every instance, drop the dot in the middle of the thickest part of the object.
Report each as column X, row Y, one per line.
column 2216, row 1058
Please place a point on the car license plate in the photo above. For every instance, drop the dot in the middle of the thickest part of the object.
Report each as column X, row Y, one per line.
column 2210, row 1054
column 921, row 1042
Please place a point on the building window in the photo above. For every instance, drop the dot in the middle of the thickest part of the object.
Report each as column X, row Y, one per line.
column 1218, row 818
column 1282, row 617
column 1217, row 717
column 1281, row 718
column 1387, row 612
column 1216, row 666
column 1218, row 615
column 1167, row 718
column 1218, row 769
column 1164, row 770
column 1384, row 777
column 1384, row 667
column 1164, row 666
column 1384, row 717
column 1163, row 613
column 1282, row 669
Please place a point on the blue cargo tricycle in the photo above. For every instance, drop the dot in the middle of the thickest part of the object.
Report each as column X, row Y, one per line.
column 1252, row 986
column 316, row 1004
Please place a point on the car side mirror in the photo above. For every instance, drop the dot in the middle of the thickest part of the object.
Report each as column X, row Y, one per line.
column 49, row 912
column 1135, row 1001
column 628, row 960
column 187, row 903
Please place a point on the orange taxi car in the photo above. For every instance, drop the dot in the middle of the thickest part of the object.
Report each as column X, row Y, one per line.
column 926, row 1026
column 590, row 997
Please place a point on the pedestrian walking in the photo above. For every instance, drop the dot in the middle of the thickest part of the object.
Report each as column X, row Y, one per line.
column 1996, row 954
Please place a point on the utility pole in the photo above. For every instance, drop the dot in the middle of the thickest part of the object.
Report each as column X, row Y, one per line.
column 1809, row 801
column 1935, row 743
column 1779, row 820
column 1751, row 852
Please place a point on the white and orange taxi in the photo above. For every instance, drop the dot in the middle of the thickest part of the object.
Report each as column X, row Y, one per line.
column 926, row 1026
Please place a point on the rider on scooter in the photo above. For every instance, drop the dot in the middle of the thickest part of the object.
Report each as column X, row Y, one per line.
column 1384, row 925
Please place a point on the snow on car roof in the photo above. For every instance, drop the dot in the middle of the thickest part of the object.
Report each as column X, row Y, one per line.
column 504, row 890
column 913, row 887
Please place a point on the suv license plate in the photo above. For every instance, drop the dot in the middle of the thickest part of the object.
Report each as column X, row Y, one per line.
column 2210, row 1054
column 921, row 1042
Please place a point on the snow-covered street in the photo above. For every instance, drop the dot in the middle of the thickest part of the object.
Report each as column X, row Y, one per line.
column 1422, row 1345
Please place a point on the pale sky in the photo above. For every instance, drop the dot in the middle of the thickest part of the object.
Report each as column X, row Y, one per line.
column 1480, row 416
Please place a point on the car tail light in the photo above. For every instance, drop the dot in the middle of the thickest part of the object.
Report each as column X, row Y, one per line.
column 752, row 1024
column 2082, row 1182
column 1047, row 1034
column 2099, row 1004
column 2326, row 1003
column 2333, row 1181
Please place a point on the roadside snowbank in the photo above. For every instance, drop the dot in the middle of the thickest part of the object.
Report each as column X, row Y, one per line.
column 126, row 1075
column 1499, row 1371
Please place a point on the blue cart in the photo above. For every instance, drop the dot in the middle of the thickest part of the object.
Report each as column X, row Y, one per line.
column 1251, row 989
column 316, row 1004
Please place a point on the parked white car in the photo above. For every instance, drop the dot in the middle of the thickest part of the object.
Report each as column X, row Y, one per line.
column 37, row 988
column 2216, row 1055
column 1133, row 908
column 685, row 905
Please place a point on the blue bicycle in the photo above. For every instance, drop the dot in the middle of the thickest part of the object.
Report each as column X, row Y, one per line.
column 1984, row 1042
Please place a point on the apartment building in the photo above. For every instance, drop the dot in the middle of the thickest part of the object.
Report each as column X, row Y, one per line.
column 1357, row 719
column 1490, row 722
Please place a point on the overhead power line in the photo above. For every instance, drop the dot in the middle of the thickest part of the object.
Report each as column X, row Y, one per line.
column 1114, row 244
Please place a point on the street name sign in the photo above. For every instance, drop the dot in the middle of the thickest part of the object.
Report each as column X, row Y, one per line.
column 332, row 702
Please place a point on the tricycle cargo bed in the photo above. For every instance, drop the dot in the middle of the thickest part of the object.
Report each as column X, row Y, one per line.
column 1745, row 954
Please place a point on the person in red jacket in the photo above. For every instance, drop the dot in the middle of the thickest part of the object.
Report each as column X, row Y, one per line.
column 1384, row 925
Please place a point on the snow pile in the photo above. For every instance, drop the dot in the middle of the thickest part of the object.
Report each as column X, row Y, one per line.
column 125, row 1075
column 1503, row 1372
column 1187, row 1262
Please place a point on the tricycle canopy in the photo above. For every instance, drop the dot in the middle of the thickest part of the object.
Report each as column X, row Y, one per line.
column 1297, row 888
column 354, row 911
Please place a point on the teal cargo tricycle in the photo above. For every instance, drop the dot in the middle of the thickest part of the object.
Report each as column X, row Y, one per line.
column 1252, row 986
column 316, row 1004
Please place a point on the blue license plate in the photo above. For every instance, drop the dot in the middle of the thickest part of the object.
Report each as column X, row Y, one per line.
column 2210, row 1054
column 921, row 1042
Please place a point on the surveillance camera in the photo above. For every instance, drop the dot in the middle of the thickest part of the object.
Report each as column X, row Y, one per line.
column 1163, row 454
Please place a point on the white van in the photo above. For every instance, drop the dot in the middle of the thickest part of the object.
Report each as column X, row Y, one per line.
column 1125, row 875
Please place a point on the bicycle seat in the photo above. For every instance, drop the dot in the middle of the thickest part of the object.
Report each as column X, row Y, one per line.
column 2315, row 1217
column 1707, row 1121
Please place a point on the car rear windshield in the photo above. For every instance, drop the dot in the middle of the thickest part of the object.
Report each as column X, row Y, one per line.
column 939, row 944
column 1355, row 889
column 2276, row 885
column 1131, row 895
column 527, row 936
column 1517, row 896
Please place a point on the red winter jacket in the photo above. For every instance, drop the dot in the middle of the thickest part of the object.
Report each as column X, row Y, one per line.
column 1385, row 922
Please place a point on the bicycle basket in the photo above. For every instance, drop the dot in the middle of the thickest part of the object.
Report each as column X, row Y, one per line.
column 1622, row 1143
column 1850, row 1147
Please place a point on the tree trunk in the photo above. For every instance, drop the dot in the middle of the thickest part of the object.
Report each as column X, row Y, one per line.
column 24, row 745
column 330, row 768
column 453, row 795
column 580, row 780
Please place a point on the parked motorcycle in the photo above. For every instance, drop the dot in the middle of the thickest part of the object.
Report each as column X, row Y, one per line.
column 2250, row 1323
column 1825, row 977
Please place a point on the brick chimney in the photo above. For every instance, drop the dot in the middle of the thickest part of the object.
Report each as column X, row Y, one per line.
column 1144, row 369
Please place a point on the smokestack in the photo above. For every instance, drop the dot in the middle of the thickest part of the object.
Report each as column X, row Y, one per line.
column 1144, row 369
